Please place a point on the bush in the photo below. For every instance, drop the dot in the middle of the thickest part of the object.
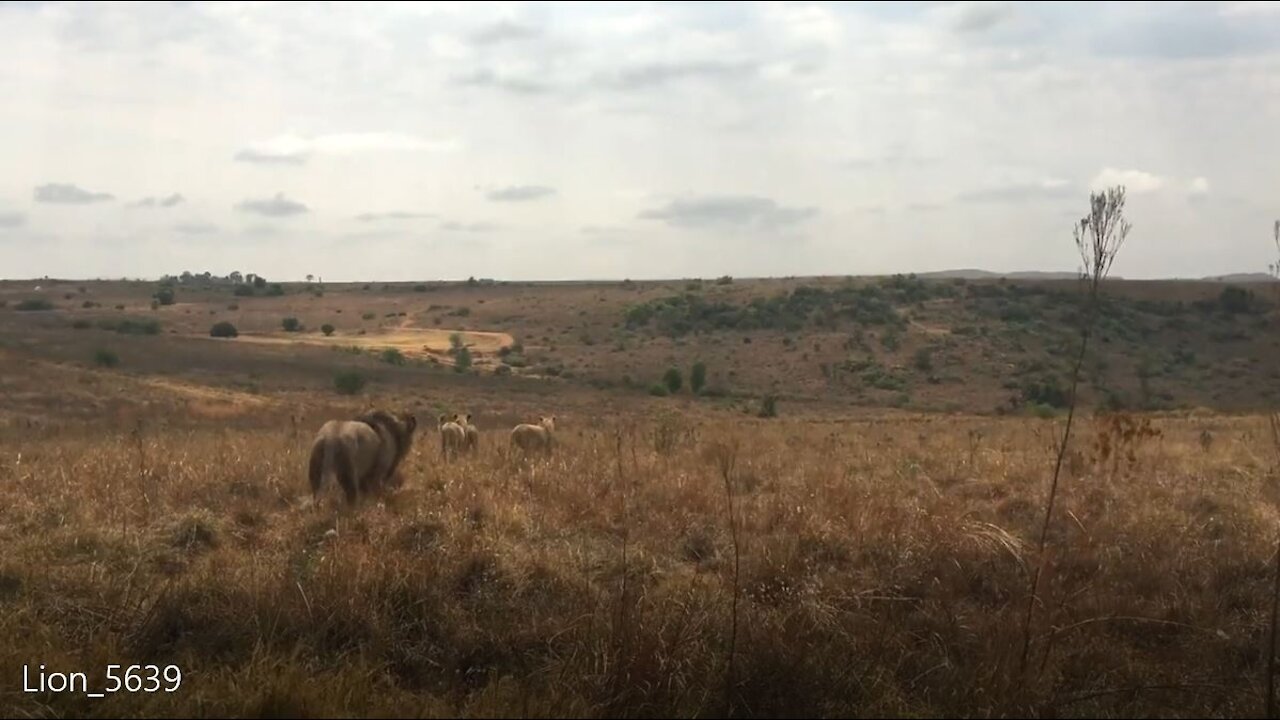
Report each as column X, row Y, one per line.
column 419, row 288
column 698, row 377
column 349, row 382
column 80, row 324
column 327, row 329
column 503, row 369
column 275, row 291
column 87, row 304
column 291, row 324
column 769, row 406
column 724, row 280
column 106, row 358
column 1236, row 301
column 164, row 296
column 33, row 305
column 118, row 307
column 462, row 360
column 392, row 356
column 233, row 307
column 138, row 327
column 368, row 316
column 223, row 329
column 673, row 380
column 243, row 291
column 658, row 390
column 924, row 359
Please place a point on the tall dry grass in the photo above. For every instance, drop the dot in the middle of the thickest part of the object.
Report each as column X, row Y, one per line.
column 880, row 569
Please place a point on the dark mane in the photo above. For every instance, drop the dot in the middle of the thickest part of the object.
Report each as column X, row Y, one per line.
column 390, row 428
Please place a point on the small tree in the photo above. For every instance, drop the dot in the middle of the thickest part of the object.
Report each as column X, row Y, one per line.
column 462, row 360
column 698, row 377
column 309, row 276
column 672, row 380
column 291, row 324
column 392, row 356
column 259, row 282
column 327, row 329
column 164, row 296
column 223, row 329
column 769, row 406
column 276, row 290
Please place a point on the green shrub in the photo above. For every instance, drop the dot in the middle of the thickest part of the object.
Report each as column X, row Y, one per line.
column 769, row 406
column 164, row 296
column 327, row 329
column 291, row 324
column 924, row 359
column 223, row 329
column 349, row 382
column 698, row 377
column 673, row 380
column 276, row 290
column 106, row 358
column 129, row 326
column 34, row 304
column 658, row 390
column 243, row 291
column 462, row 360
column 81, row 324
column 393, row 356
column 368, row 316
column 419, row 288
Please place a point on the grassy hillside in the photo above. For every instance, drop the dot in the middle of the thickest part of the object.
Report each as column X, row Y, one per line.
column 826, row 343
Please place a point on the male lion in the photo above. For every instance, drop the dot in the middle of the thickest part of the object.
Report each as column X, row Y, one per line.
column 364, row 453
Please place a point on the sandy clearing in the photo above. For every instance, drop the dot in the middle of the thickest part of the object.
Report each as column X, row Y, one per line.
column 412, row 342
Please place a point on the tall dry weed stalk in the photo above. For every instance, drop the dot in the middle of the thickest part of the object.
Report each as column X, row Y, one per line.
column 1099, row 237
column 726, row 457
column 1274, row 420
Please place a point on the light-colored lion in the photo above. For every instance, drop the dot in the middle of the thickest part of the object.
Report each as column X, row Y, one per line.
column 538, row 437
column 363, row 454
column 471, row 441
column 452, row 437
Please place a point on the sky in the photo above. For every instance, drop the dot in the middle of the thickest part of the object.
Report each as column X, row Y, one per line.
column 406, row 141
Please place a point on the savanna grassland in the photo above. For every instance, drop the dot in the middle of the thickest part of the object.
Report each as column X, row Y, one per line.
column 859, row 554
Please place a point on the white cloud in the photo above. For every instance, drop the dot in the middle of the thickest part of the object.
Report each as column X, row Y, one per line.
column 1135, row 182
column 297, row 149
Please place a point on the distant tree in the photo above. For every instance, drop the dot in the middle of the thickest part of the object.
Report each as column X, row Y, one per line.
column 327, row 329
column 673, row 380
column 698, row 377
column 309, row 277
column 243, row 291
column 235, row 277
column 291, row 324
column 276, row 290
column 462, row 360
column 185, row 277
column 164, row 296
column 259, row 281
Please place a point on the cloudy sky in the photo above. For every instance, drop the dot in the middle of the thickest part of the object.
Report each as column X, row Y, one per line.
column 557, row 141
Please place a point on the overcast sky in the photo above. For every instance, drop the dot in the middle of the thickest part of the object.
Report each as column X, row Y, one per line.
column 559, row 141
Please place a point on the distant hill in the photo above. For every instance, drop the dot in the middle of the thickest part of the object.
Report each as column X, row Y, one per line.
column 976, row 274
column 1241, row 278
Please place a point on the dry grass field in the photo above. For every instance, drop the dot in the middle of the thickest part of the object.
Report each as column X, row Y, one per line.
column 673, row 557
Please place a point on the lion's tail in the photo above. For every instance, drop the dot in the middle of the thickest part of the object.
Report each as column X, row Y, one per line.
column 329, row 458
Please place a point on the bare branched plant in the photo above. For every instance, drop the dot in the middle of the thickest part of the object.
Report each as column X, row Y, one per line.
column 1099, row 237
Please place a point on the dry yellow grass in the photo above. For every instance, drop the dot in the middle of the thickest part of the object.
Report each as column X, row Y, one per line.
column 883, row 571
